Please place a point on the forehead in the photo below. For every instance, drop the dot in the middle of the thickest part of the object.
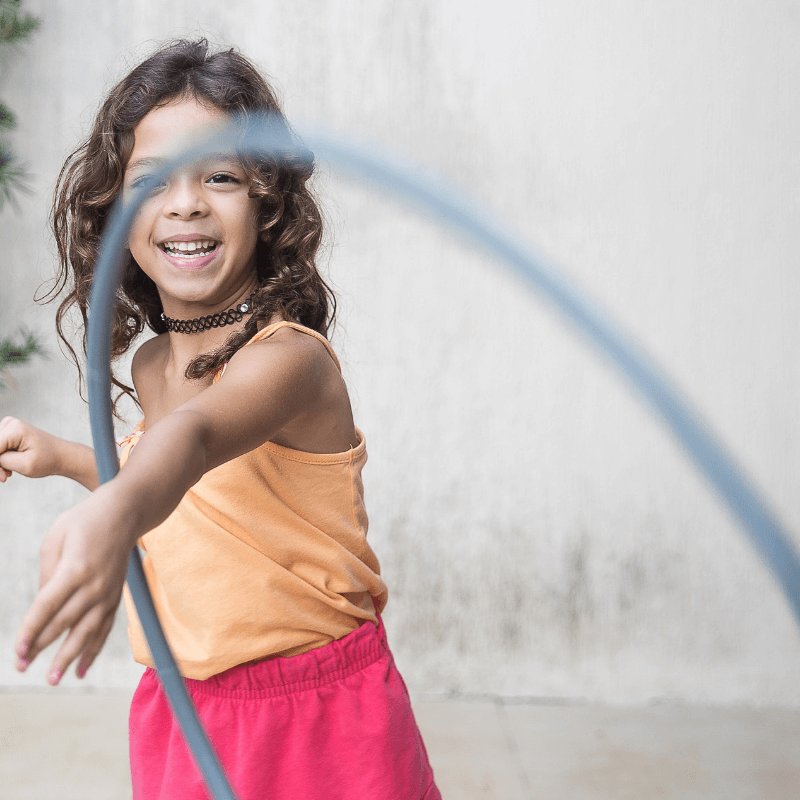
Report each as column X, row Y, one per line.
column 162, row 130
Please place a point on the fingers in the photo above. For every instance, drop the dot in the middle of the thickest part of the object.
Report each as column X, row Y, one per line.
column 89, row 622
column 74, row 596
column 78, row 640
column 9, row 432
column 95, row 645
column 82, row 572
column 10, row 443
column 14, row 460
column 53, row 609
column 48, row 617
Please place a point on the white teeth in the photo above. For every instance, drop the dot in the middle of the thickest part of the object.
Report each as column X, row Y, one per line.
column 189, row 247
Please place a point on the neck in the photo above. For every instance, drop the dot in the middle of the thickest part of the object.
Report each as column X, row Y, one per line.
column 184, row 347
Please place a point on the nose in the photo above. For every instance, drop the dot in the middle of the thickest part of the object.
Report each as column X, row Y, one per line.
column 184, row 199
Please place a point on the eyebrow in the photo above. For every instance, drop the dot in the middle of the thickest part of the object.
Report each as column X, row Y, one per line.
column 152, row 161
column 157, row 161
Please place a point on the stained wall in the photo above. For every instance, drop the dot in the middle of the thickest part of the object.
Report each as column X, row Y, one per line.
column 541, row 532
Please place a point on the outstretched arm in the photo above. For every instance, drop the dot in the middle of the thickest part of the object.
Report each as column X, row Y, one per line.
column 38, row 454
column 84, row 556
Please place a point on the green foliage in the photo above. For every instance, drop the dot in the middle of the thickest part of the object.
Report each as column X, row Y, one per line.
column 13, row 177
column 7, row 118
column 15, row 27
column 14, row 352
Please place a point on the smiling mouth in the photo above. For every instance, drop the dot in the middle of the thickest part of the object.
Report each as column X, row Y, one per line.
column 189, row 250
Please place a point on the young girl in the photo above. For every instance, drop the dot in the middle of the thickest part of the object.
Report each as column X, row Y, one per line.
column 243, row 480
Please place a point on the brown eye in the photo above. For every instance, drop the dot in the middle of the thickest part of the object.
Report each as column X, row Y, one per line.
column 146, row 182
column 222, row 177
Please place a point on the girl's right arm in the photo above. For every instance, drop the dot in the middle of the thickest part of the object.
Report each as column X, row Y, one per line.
column 37, row 454
column 84, row 557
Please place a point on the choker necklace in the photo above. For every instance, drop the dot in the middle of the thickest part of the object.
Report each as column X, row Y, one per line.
column 218, row 320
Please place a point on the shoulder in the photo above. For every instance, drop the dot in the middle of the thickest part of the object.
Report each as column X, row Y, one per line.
column 286, row 349
column 284, row 388
column 146, row 359
column 290, row 364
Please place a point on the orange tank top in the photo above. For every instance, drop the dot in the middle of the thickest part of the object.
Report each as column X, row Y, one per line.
column 266, row 555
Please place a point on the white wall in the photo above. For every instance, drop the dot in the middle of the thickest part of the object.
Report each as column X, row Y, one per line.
column 540, row 531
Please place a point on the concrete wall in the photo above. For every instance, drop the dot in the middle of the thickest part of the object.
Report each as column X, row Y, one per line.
column 540, row 532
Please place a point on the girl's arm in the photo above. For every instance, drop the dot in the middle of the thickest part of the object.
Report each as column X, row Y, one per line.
column 84, row 556
column 37, row 454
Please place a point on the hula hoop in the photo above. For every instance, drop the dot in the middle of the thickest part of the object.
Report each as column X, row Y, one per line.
column 262, row 135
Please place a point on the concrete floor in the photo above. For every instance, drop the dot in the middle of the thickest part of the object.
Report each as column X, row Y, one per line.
column 61, row 746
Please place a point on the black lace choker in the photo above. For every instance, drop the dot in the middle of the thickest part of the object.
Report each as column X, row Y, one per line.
column 218, row 320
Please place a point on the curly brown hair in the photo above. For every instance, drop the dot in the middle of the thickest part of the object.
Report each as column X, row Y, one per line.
column 289, row 220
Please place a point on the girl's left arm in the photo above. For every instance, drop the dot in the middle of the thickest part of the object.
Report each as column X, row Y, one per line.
column 83, row 560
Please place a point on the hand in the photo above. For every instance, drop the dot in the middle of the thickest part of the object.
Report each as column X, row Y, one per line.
column 83, row 564
column 27, row 450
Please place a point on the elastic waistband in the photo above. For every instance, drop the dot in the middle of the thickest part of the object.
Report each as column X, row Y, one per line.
column 287, row 675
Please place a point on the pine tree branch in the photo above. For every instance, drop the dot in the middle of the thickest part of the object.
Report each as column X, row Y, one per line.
column 13, row 353
column 7, row 118
column 14, row 26
column 13, row 178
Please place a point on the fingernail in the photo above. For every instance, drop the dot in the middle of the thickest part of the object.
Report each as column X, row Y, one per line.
column 54, row 677
column 22, row 664
column 22, row 647
column 81, row 671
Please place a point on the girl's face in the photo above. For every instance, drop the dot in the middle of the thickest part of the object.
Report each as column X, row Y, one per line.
column 196, row 235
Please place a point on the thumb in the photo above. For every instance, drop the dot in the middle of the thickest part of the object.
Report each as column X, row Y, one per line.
column 13, row 461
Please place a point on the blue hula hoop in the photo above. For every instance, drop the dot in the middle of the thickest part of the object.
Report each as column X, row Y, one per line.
column 265, row 135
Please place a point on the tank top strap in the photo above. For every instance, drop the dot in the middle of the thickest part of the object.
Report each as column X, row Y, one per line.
column 134, row 434
column 265, row 333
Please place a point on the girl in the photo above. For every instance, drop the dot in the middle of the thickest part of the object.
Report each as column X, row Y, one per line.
column 242, row 481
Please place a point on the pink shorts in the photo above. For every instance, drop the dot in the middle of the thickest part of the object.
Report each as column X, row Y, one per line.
column 329, row 724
